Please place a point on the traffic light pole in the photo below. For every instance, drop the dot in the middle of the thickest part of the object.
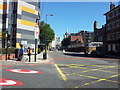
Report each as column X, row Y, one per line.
column 6, row 45
column 35, row 48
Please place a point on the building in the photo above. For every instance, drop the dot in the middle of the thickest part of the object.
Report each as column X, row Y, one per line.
column 78, row 41
column 113, row 29
column 99, row 33
column 19, row 17
column 66, row 34
column 57, row 42
column 87, row 36
column 100, row 36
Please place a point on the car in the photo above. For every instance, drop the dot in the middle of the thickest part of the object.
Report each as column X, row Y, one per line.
column 97, row 53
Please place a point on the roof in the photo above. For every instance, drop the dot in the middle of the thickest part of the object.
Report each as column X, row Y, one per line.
column 112, row 9
column 76, row 38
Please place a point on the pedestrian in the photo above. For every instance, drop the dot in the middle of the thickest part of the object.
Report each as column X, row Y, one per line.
column 86, row 52
column 20, row 53
column 29, row 51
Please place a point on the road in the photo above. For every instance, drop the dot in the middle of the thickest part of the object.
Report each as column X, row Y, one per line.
column 67, row 70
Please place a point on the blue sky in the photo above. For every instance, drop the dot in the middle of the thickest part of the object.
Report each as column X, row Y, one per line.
column 75, row 16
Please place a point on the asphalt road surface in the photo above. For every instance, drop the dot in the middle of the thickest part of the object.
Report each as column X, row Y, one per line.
column 67, row 70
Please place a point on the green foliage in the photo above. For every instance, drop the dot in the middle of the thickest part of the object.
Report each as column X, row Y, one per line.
column 46, row 30
column 39, row 50
column 10, row 50
column 3, row 34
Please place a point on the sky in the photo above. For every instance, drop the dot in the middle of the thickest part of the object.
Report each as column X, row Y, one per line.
column 74, row 16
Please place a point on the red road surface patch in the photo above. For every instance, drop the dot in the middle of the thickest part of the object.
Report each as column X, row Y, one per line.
column 6, row 66
column 9, row 82
column 84, row 58
column 24, row 71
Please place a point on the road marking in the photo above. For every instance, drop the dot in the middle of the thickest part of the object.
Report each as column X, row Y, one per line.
column 99, row 80
column 113, row 76
column 90, row 69
column 60, row 72
column 9, row 82
column 99, row 69
column 24, row 71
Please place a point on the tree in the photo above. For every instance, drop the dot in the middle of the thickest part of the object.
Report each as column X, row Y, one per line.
column 65, row 42
column 46, row 32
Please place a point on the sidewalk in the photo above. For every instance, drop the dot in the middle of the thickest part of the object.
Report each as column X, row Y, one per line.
column 25, row 60
column 39, row 58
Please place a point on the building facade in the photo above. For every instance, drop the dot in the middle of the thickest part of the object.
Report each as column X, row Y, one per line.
column 113, row 29
column 100, row 37
column 78, row 41
column 19, row 19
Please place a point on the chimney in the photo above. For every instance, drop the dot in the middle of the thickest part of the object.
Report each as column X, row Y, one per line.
column 95, row 25
column 112, row 6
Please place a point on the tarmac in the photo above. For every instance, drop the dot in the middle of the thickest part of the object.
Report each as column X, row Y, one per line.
column 25, row 60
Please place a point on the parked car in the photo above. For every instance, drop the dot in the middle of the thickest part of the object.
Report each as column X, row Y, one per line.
column 97, row 53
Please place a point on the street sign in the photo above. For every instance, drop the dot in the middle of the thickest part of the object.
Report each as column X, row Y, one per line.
column 36, row 31
column 23, row 42
column 9, row 82
column 24, row 71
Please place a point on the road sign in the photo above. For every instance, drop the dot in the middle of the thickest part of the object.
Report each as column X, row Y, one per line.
column 36, row 31
column 24, row 71
column 9, row 82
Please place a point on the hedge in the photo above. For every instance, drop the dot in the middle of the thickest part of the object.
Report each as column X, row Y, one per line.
column 10, row 50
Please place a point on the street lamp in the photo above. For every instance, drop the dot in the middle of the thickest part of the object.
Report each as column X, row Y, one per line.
column 45, row 54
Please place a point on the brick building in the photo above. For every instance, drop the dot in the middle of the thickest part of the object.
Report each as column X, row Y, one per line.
column 78, row 41
column 113, row 29
column 100, row 36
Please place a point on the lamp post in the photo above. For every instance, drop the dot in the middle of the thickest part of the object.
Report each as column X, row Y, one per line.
column 45, row 54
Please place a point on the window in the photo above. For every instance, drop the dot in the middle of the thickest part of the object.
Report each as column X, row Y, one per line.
column 114, row 13
column 117, row 12
column 114, row 36
column 117, row 23
column 114, row 24
column 108, row 37
column 109, row 47
column 111, row 36
column 108, row 27
column 113, row 47
column 111, row 26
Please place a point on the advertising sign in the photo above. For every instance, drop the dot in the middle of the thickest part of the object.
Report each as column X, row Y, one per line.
column 95, row 44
